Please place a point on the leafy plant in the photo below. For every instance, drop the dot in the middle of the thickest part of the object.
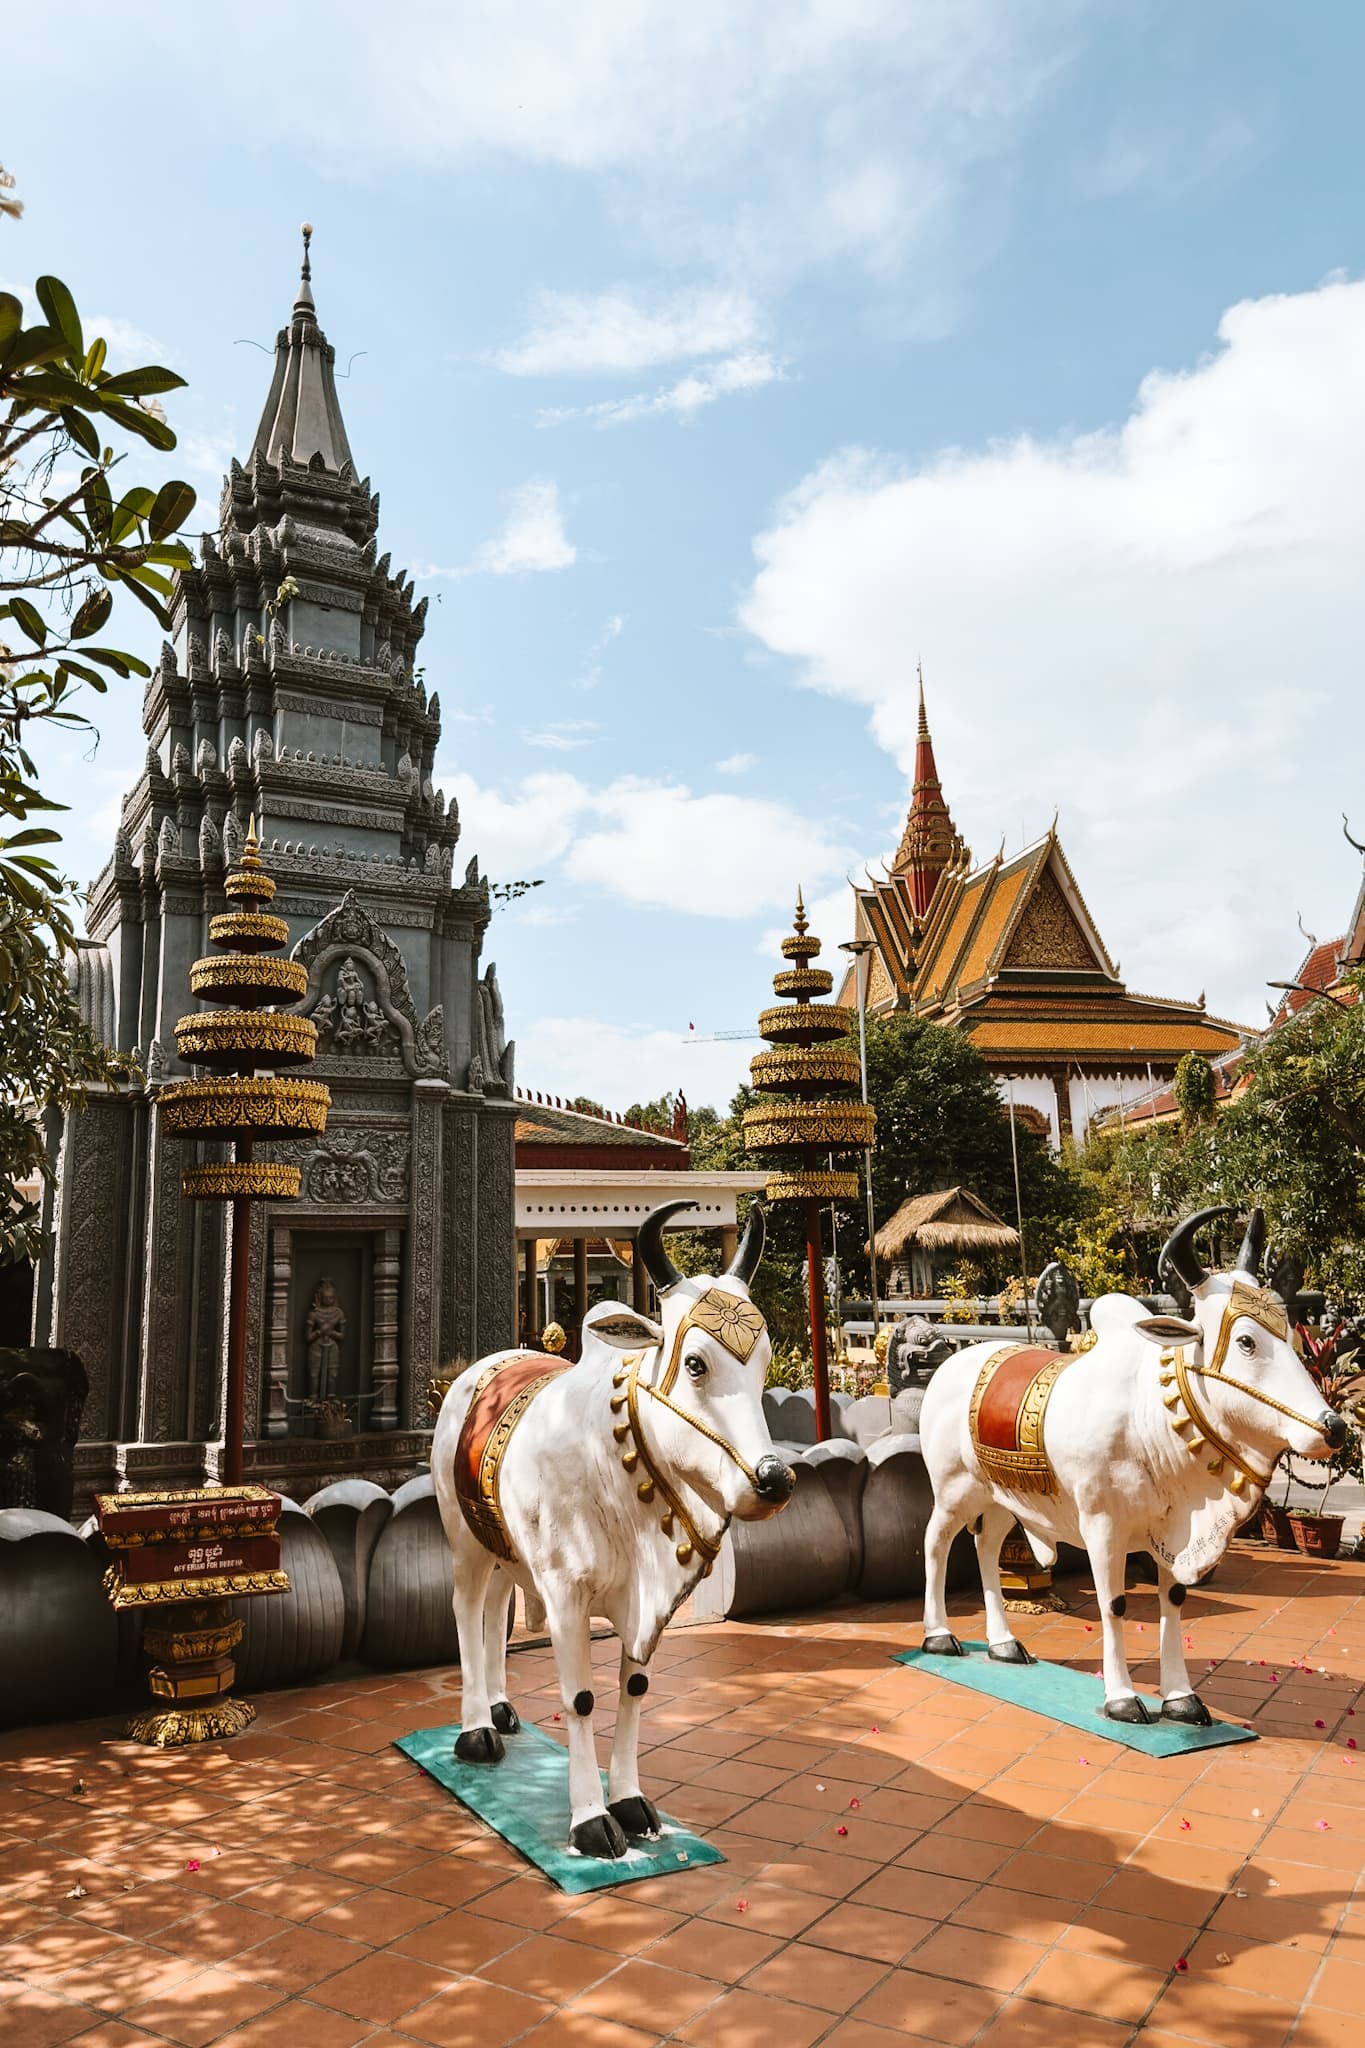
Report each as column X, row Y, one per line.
column 72, row 536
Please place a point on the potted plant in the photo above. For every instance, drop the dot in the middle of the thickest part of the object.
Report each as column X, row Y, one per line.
column 1313, row 1530
column 1274, row 1517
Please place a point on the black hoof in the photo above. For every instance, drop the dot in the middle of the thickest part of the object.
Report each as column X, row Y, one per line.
column 1130, row 1709
column 945, row 1645
column 479, row 1746
column 1187, row 1707
column 637, row 1816
column 1010, row 1653
column 601, row 1836
column 505, row 1718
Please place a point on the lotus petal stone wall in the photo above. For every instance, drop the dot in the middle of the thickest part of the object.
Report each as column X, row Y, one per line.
column 352, row 1514
column 410, row 1618
column 291, row 1637
column 58, row 1633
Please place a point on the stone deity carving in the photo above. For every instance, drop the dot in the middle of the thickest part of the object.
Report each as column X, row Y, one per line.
column 323, row 1331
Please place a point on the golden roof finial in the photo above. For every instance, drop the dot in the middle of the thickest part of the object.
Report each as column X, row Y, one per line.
column 799, row 922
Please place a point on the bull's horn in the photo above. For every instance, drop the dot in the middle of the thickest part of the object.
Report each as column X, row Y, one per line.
column 1253, row 1245
column 745, row 1262
column 649, row 1245
column 1178, row 1251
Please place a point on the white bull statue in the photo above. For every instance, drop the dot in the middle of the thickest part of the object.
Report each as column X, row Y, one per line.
column 1161, row 1438
column 605, row 1488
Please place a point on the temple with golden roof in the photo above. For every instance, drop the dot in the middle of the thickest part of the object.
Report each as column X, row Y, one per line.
column 1009, row 953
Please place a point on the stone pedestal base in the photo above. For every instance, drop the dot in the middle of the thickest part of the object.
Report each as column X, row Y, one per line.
column 1026, row 1584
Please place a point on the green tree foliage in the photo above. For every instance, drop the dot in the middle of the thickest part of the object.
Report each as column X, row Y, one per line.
column 72, row 535
column 1195, row 1094
column 941, row 1123
column 1292, row 1139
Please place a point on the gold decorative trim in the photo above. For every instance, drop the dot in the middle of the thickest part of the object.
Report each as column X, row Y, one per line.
column 176, row 1727
column 732, row 1319
column 812, row 1187
column 805, row 1020
column 254, row 884
column 484, row 1515
column 172, row 1592
column 248, row 974
column 205, row 1109
column 788, row 1067
column 277, row 1038
column 174, row 1645
column 809, row 1123
column 183, row 1496
column 247, row 929
column 799, row 946
column 265, row 1180
column 1027, row 1468
column 803, row 981
column 1260, row 1306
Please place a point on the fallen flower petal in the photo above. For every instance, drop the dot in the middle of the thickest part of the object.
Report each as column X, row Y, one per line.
column 741, row 1905
column 1319, row 1724
column 841, row 1829
column 193, row 1863
column 1182, row 1963
column 1324, row 1827
column 1222, row 1956
column 855, row 1802
column 1184, row 1827
column 76, row 1892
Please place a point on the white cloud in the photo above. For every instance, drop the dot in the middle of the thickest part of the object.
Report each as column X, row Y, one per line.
column 731, row 133
column 617, row 1064
column 564, row 734
column 736, row 764
column 747, row 372
column 619, row 331
column 1153, row 625
column 654, row 844
column 531, row 539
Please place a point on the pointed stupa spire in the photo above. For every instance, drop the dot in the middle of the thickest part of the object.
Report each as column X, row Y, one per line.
column 302, row 416
column 929, row 840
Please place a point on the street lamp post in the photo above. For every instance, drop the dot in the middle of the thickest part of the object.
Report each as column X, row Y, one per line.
column 860, row 949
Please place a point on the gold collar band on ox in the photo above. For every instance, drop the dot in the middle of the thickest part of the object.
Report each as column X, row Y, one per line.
column 1178, row 1370
column 637, row 1452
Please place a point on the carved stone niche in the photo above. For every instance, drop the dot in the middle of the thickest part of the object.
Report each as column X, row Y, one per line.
column 358, row 995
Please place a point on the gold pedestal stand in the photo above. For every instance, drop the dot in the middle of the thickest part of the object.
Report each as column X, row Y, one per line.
column 192, row 1671
column 1026, row 1584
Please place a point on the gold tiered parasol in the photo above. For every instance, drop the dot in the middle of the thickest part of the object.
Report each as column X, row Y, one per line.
column 244, row 1105
column 804, row 1127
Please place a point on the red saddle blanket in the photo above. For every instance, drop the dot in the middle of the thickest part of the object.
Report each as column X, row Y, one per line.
column 1009, row 1402
column 502, row 1394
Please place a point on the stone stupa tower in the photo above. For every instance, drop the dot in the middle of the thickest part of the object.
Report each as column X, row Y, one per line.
column 289, row 692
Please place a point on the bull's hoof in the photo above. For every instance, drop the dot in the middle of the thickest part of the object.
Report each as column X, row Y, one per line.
column 1128, row 1708
column 479, row 1746
column 505, row 1718
column 1010, row 1652
column 637, row 1815
column 945, row 1645
column 1188, row 1708
column 601, row 1835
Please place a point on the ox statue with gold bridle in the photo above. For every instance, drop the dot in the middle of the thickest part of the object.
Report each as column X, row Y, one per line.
column 1162, row 1437
column 605, row 1488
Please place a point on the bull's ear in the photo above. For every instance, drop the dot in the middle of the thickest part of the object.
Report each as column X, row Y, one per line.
column 1168, row 1330
column 625, row 1329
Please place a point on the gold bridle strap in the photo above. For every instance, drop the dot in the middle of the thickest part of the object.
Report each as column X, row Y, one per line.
column 693, row 1543
column 1180, row 1370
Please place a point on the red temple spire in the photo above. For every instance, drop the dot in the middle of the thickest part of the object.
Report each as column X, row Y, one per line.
column 929, row 841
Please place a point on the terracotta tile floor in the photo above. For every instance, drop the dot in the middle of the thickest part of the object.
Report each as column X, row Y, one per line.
column 908, row 1862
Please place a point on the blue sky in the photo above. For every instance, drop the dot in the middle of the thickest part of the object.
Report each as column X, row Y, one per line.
column 719, row 362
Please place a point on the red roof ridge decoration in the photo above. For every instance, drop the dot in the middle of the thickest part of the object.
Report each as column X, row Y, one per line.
column 930, row 841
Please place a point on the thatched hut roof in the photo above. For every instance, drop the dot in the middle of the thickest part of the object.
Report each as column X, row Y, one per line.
column 950, row 1220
